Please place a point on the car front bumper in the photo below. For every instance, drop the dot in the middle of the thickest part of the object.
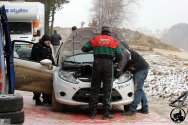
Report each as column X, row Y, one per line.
column 78, row 94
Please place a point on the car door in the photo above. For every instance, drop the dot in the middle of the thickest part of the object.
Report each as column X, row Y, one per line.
column 30, row 76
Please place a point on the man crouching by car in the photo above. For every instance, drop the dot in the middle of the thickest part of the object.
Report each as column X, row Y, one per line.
column 105, row 48
column 139, row 68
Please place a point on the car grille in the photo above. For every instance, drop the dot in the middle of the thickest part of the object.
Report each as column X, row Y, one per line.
column 83, row 95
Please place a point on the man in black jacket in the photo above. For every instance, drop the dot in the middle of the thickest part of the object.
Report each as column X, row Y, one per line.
column 122, row 64
column 40, row 51
column 55, row 40
column 139, row 68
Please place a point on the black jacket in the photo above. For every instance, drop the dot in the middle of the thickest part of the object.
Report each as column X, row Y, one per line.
column 55, row 39
column 40, row 51
column 137, row 62
column 122, row 64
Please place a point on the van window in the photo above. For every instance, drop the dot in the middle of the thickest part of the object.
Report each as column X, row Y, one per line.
column 20, row 27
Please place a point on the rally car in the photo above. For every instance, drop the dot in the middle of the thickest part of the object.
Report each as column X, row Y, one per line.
column 70, row 80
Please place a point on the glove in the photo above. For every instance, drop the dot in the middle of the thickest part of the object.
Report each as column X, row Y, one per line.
column 117, row 74
column 132, row 69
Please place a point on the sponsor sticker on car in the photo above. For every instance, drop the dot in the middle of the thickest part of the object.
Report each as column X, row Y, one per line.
column 123, row 85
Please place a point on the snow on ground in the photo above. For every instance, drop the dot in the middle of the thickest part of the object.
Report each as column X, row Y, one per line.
column 168, row 75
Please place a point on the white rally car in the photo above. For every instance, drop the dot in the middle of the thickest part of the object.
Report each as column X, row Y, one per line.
column 71, row 77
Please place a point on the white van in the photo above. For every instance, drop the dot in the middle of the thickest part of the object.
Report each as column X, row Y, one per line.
column 26, row 19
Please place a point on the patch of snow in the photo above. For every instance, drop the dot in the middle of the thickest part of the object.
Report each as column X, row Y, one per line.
column 167, row 77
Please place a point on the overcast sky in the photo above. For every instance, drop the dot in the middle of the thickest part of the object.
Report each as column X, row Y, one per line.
column 152, row 14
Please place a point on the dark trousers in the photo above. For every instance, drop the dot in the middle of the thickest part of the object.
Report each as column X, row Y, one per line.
column 102, row 72
column 45, row 97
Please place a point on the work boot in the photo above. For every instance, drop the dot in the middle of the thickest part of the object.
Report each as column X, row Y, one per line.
column 107, row 116
column 38, row 102
column 92, row 113
column 47, row 102
column 143, row 111
column 46, row 99
column 129, row 113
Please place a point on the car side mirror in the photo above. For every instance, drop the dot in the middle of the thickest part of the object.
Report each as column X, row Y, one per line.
column 47, row 62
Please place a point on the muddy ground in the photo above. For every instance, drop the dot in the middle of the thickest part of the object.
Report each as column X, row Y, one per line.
column 161, row 107
column 167, row 79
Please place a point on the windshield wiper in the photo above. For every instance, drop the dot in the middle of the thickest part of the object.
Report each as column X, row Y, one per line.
column 73, row 62
column 87, row 62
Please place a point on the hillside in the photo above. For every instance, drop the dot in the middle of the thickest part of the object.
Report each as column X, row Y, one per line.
column 135, row 38
column 177, row 35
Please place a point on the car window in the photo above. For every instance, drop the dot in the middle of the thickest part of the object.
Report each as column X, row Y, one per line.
column 22, row 50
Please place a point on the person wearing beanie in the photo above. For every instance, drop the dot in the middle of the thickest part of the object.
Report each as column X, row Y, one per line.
column 105, row 49
column 119, row 70
column 139, row 68
column 55, row 40
column 74, row 28
column 40, row 51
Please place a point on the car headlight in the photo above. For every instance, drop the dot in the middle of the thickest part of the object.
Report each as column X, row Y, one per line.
column 67, row 77
column 124, row 78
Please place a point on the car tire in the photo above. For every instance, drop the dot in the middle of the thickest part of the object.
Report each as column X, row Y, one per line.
column 56, row 106
column 126, row 107
column 15, row 117
column 10, row 103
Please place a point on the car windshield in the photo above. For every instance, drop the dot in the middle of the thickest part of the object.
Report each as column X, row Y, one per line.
column 25, row 27
column 75, row 41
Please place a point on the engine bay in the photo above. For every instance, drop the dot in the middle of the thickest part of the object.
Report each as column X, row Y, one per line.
column 83, row 72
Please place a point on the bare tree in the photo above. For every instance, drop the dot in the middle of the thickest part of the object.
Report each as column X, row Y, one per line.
column 51, row 6
column 55, row 6
column 112, row 12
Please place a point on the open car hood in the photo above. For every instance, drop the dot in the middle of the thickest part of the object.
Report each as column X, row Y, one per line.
column 78, row 38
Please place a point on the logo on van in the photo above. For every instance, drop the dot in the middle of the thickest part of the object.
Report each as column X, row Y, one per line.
column 15, row 10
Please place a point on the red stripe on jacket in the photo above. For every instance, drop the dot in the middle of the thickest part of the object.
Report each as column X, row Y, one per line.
column 104, row 41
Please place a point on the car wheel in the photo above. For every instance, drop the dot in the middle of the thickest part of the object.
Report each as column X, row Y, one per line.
column 126, row 107
column 15, row 117
column 56, row 106
column 10, row 103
